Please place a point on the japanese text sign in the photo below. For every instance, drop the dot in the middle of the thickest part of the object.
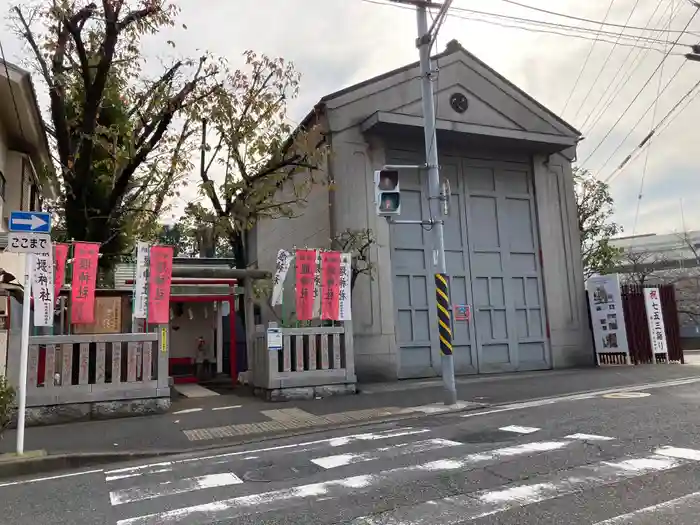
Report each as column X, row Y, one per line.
column 60, row 263
column 330, row 285
column 305, row 272
column 655, row 320
column 159, row 279
column 85, row 256
column 345, row 282
column 42, row 288
column 284, row 261
column 141, row 281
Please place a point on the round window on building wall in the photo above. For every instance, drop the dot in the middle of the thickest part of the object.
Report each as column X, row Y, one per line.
column 459, row 102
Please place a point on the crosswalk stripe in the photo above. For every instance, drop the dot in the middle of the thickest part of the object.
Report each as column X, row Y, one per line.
column 170, row 488
column 402, row 449
column 519, row 430
column 274, row 500
column 167, row 466
column 467, row 507
column 589, row 437
column 689, row 504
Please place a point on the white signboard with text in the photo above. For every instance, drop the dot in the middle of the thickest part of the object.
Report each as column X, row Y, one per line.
column 608, row 319
column 42, row 288
column 655, row 319
column 141, row 281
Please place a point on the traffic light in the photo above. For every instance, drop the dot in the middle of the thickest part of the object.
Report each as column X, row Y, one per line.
column 387, row 192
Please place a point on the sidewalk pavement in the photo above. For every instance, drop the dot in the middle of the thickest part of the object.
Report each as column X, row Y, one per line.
column 235, row 418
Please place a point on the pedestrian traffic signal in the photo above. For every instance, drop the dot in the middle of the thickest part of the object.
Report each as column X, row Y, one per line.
column 387, row 192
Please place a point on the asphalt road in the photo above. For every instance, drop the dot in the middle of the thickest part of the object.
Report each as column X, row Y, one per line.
column 602, row 461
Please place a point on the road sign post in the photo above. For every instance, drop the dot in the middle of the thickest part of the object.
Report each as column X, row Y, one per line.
column 29, row 234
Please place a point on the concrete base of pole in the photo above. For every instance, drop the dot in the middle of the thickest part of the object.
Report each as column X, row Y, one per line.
column 448, row 379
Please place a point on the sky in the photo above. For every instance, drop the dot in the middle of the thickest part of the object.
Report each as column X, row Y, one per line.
column 335, row 43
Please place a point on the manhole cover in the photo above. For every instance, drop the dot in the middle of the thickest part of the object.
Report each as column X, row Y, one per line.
column 626, row 395
column 488, row 436
column 281, row 473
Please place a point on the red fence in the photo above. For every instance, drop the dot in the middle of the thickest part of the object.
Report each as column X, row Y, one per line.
column 637, row 325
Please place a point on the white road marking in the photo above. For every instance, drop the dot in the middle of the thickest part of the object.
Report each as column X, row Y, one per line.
column 170, row 488
column 187, row 411
column 687, row 504
column 152, row 468
column 590, row 394
column 682, row 453
column 50, row 478
column 275, row 500
column 466, row 507
column 402, row 449
column 589, row 437
column 519, row 430
column 227, row 408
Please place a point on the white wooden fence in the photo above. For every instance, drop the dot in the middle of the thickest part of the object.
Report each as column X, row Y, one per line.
column 94, row 367
column 311, row 356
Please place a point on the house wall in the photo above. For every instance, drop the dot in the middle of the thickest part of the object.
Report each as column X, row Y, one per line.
column 564, row 287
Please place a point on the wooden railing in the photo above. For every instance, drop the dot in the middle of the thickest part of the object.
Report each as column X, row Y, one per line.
column 311, row 356
column 96, row 367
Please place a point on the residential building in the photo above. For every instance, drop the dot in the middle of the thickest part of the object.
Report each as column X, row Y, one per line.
column 511, row 239
column 26, row 170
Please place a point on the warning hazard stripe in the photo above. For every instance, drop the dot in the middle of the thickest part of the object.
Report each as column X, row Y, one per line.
column 442, row 299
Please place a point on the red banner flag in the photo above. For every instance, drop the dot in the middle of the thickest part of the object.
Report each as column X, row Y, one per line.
column 160, row 277
column 330, row 285
column 305, row 272
column 60, row 256
column 85, row 256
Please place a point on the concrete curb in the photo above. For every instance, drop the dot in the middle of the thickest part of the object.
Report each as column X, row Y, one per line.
column 64, row 461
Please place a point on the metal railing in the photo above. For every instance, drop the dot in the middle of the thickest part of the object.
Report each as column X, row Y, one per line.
column 310, row 356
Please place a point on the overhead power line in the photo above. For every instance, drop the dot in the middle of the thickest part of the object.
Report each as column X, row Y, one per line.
column 581, row 19
column 539, row 26
column 656, row 131
column 605, row 62
column 623, row 72
column 612, row 128
column 585, row 62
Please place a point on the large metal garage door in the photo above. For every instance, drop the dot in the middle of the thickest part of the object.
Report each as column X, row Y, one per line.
column 509, row 314
column 492, row 258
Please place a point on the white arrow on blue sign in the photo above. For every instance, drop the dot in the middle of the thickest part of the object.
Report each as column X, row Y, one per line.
column 30, row 221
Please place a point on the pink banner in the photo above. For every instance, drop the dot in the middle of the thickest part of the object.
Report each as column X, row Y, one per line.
column 160, row 277
column 305, row 272
column 85, row 256
column 330, row 285
column 60, row 257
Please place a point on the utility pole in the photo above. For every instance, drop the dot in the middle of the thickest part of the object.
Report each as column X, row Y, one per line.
column 424, row 42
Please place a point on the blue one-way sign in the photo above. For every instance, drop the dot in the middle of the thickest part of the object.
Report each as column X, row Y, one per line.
column 30, row 221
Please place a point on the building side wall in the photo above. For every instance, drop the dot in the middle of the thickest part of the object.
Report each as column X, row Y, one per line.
column 354, row 160
column 561, row 261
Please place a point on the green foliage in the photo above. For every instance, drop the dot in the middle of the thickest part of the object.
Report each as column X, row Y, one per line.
column 265, row 168
column 595, row 208
column 123, row 139
column 7, row 404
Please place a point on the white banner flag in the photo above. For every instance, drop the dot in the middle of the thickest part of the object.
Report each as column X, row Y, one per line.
column 42, row 287
column 655, row 319
column 317, row 286
column 345, row 295
column 141, row 281
column 284, row 261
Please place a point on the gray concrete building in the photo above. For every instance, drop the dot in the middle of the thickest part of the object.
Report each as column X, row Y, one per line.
column 511, row 239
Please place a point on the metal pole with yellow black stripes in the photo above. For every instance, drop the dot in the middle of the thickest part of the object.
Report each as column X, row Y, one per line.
column 442, row 299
